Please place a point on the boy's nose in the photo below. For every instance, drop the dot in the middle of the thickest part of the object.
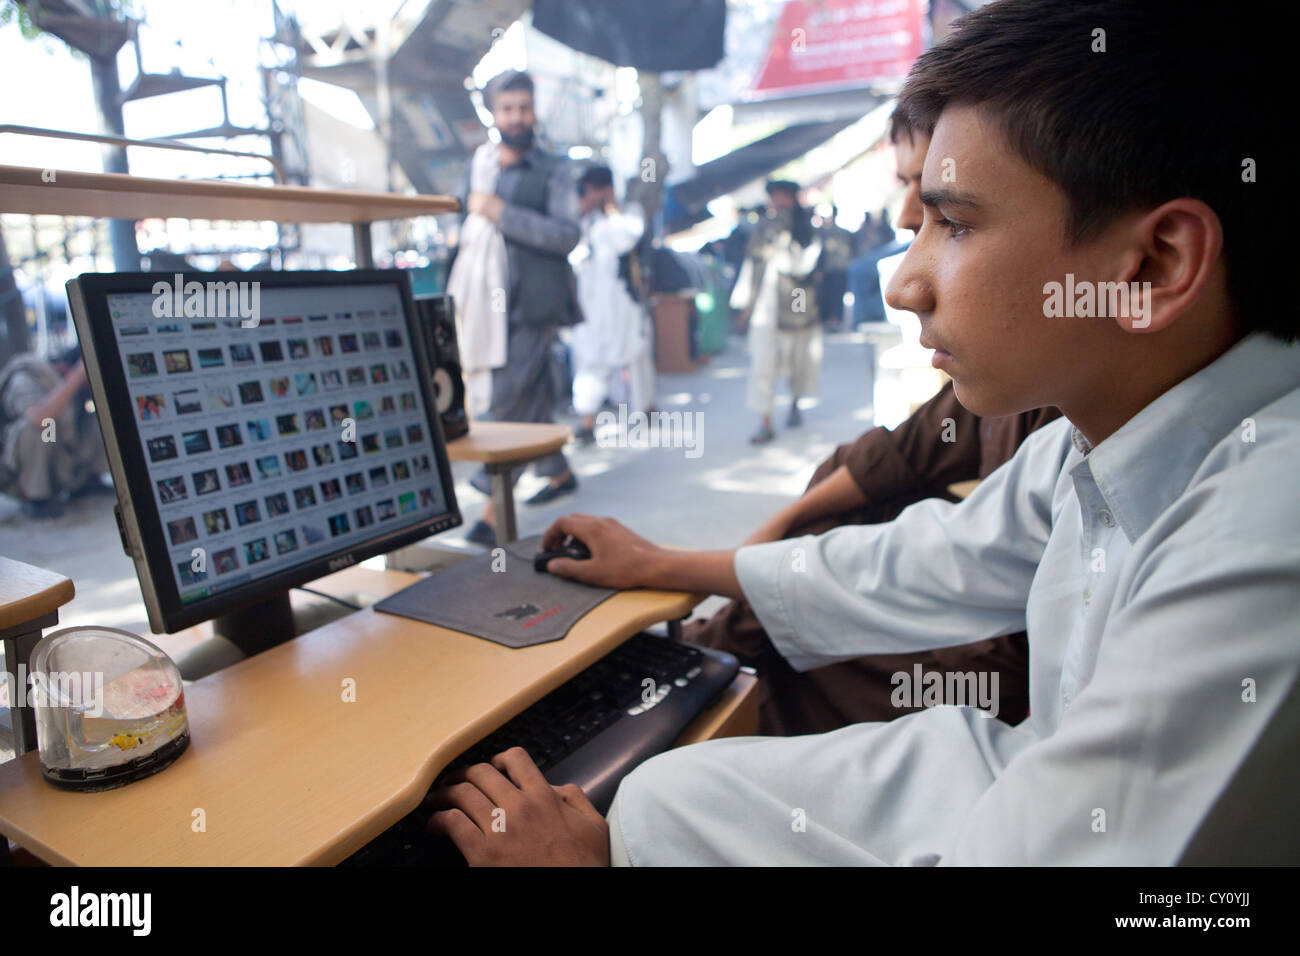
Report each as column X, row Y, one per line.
column 907, row 289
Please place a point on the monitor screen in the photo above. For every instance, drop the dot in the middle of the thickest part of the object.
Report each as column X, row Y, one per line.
column 263, row 435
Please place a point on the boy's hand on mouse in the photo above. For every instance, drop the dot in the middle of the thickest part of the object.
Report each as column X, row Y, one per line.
column 618, row 557
column 506, row 814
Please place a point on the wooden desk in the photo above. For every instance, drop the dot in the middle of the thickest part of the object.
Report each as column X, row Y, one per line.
column 284, row 771
column 734, row 713
column 502, row 447
column 27, row 593
column 961, row 489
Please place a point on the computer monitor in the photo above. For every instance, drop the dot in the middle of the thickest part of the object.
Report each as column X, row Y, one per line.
column 263, row 429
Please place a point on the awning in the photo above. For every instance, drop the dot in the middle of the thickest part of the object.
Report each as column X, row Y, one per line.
column 656, row 37
column 685, row 202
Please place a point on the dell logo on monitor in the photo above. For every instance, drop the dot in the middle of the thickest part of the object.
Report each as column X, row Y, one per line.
column 342, row 562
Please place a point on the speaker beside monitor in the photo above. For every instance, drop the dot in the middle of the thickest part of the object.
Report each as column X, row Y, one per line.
column 437, row 314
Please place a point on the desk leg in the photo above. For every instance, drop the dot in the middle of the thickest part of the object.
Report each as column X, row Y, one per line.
column 361, row 244
column 503, row 502
column 19, row 641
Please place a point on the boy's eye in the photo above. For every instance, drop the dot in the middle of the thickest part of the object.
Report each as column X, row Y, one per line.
column 955, row 229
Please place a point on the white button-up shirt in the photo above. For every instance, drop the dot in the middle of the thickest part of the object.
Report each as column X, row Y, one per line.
column 1158, row 577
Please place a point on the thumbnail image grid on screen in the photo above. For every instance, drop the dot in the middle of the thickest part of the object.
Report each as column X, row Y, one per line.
column 269, row 446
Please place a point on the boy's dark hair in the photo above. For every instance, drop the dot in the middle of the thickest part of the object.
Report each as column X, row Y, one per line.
column 595, row 177
column 1122, row 105
column 509, row 80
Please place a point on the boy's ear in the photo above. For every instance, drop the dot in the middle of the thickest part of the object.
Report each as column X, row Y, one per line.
column 1176, row 247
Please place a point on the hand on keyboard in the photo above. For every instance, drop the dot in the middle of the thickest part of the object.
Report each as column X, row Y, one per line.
column 506, row 814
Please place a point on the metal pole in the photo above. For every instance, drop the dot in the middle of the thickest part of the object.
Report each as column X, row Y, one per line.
column 364, row 250
column 42, row 326
column 153, row 143
column 503, row 501
column 108, row 99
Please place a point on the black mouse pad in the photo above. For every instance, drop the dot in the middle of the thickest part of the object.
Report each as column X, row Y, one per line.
column 498, row 596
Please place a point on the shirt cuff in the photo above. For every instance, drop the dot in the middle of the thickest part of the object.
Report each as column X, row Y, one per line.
column 765, row 573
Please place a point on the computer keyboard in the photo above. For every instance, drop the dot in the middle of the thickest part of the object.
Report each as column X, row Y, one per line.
column 592, row 730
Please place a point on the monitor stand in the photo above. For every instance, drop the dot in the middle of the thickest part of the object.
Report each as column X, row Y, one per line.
column 257, row 627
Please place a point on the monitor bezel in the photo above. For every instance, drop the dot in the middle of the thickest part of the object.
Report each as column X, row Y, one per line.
column 142, row 525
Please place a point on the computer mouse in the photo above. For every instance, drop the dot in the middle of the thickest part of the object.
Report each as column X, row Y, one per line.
column 573, row 548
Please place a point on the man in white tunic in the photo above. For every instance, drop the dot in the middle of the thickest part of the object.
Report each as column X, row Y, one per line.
column 775, row 287
column 1149, row 542
column 612, row 338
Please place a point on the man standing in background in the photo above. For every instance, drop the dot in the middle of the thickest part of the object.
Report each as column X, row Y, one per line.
column 775, row 288
column 612, row 336
column 528, row 197
column 832, row 269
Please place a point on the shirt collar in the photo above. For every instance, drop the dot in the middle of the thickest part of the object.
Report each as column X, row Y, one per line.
column 1148, row 462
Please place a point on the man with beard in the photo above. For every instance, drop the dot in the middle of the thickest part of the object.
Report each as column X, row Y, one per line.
column 529, row 198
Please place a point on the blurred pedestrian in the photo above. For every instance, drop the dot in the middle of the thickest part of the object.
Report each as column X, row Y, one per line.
column 775, row 290
column 612, row 340
column 522, row 197
column 50, row 446
column 832, row 269
column 864, row 240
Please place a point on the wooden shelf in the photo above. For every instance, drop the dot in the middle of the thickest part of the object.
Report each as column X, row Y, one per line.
column 115, row 196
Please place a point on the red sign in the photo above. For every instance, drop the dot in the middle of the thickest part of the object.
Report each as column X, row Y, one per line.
column 840, row 44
